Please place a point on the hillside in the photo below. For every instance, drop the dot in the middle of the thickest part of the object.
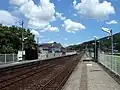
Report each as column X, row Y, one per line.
column 105, row 44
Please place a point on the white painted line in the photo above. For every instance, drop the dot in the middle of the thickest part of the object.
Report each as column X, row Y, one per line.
column 89, row 64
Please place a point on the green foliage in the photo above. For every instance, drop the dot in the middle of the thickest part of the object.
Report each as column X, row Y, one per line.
column 105, row 44
column 11, row 39
column 75, row 47
column 117, row 41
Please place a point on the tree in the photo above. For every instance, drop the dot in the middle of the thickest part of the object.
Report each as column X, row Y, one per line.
column 11, row 39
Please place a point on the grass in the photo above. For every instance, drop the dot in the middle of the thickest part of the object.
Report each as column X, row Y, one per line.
column 117, row 54
column 118, row 59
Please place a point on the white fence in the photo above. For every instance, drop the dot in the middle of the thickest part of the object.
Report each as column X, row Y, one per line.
column 50, row 55
column 70, row 53
column 111, row 62
column 8, row 58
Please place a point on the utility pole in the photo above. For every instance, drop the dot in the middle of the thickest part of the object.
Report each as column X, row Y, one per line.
column 22, row 39
column 95, row 49
column 111, row 41
column 112, row 47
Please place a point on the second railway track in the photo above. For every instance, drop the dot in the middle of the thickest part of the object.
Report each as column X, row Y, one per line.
column 49, row 76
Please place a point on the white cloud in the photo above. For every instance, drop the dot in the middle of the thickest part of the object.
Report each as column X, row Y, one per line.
column 74, row 14
column 7, row 18
column 18, row 2
column 95, row 37
column 74, row 2
column 50, row 42
column 45, row 40
column 78, row 43
column 62, row 25
column 36, row 33
column 72, row 27
column 65, row 38
column 112, row 22
column 60, row 15
column 50, row 28
column 37, row 24
column 65, row 45
column 94, row 9
column 40, row 15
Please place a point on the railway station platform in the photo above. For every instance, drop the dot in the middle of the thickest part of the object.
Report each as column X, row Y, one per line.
column 88, row 75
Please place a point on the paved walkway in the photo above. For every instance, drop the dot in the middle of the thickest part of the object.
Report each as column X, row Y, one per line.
column 98, row 79
column 90, row 76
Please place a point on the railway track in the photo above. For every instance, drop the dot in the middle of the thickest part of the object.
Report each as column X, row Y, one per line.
column 50, row 76
column 59, row 80
column 18, row 72
column 26, row 74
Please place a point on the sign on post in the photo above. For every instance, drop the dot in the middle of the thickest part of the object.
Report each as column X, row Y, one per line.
column 19, row 56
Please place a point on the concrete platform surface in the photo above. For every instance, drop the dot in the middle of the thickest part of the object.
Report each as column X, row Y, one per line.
column 98, row 79
column 89, row 75
column 73, row 82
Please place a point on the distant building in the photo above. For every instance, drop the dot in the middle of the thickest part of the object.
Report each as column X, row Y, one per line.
column 46, row 48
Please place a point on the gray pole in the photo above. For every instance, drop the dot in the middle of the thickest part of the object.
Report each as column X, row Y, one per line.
column 111, row 48
column 99, row 45
column 111, row 42
column 95, row 49
column 22, row 40
column 99, row 51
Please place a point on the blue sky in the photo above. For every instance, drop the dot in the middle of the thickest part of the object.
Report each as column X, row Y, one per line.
column 64, row 21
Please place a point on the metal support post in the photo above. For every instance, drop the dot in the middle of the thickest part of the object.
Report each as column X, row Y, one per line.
column 5, row 59
column 111, row 49
column 22, row 40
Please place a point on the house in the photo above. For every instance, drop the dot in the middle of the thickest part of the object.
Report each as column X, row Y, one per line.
column 46, row 48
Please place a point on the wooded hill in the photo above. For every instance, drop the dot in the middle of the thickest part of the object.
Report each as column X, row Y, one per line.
column 104, row 43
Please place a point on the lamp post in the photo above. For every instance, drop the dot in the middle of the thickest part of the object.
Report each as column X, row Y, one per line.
column 111, row 34
column 112, row 49
column 112, row 41
column 99, row 45
column 22, row 39
column 99, row 50
column 20, row 22
column 95, row 39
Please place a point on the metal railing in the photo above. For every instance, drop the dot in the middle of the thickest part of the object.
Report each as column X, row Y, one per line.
column 11, row 58
column 8, row 58
column 49, row 55
column 111, row 62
